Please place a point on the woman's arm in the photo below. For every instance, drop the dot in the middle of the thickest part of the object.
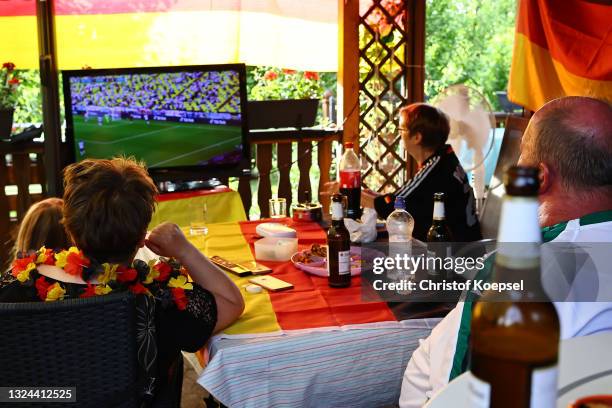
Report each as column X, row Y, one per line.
column 168, row 240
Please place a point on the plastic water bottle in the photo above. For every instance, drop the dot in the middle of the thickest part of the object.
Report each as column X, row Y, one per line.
column 399, row 226
column 400, row 223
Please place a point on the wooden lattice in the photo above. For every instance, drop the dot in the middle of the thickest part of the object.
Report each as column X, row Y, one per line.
column 383, row 74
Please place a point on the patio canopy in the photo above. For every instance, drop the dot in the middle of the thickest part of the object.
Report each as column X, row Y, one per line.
column 117, row 33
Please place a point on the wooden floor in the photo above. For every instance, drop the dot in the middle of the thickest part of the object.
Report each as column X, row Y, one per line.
column 193, row 394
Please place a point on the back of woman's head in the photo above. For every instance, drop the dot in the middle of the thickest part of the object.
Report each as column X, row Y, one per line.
column 429, row 121
column 42, row 225
column 108, row 205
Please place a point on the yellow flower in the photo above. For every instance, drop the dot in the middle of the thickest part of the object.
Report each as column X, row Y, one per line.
column 153, row 273
column 61, row 258
column 55, row 292
column 180, row 282
column 25, row 274
column 103, row 289
column 109, row 274
column 42, row 256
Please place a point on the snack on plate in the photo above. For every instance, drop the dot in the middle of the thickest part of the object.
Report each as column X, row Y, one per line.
column 319, row 250
column 316, row 253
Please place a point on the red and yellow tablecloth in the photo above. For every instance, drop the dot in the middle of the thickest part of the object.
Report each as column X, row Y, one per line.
column 223, row 205
column 311, row 304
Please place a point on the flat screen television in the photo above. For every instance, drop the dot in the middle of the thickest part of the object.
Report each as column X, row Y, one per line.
column 184, row 122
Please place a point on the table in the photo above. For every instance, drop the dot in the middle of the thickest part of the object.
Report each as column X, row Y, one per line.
column 585, row 368
column 224, row 205
column 312, row 346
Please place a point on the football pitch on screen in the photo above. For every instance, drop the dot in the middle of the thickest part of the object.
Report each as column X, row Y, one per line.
column 158, row 143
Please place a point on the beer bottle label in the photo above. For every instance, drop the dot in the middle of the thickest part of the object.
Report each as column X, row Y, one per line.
column 544, row 387
column 350, row 179
column 438, row 213
column 344, row 262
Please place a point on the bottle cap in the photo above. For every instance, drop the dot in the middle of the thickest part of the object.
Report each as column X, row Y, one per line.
column 400, row 203
column 337, row 198
column 348, row 145
column 522, row 181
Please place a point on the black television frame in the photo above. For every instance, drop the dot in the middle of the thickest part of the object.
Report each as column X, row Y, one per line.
column 176, row 173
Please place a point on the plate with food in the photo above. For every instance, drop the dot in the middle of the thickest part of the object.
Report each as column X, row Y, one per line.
column 314, row 260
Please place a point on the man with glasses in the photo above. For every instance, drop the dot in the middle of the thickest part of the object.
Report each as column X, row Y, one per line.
column 424, row 130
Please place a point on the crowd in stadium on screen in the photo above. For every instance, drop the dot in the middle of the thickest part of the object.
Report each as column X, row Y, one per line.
column 183, row 91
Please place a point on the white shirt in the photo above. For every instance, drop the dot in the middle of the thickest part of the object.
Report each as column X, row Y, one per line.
column 429, row 368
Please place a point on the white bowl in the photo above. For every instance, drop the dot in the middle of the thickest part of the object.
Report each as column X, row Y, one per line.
column 275, row 249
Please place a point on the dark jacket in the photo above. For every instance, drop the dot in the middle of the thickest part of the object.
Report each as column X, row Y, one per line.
column 441, row 172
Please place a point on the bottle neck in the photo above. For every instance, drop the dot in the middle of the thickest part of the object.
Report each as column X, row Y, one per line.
column 519, row 237
column 438, row 211
column 337, row 212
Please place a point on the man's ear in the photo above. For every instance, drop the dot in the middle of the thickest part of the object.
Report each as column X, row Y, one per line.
column 417, row 138
column 546, row 178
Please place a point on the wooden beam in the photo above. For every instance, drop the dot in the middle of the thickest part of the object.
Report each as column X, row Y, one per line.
column 348, row 70
column 45, row 18
column 415, row 51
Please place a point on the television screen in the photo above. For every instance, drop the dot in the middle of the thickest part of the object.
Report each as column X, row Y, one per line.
column 169, row 117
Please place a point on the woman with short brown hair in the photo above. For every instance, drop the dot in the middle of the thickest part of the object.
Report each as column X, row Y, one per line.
column 107, row 207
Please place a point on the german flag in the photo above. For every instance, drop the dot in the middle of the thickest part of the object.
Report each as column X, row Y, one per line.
column 132, row 33
column 561, row 48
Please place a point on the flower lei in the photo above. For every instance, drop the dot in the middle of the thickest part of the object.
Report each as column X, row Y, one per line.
column 165, row 279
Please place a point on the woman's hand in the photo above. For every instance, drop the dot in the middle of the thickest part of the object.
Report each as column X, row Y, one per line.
column 168, row 240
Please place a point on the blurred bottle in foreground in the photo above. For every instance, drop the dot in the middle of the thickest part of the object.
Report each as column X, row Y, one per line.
column 350, row 181
column 515, row 339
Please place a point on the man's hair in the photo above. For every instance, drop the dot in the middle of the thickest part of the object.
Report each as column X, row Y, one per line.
column 429, row 121
column 573, row 135
column 40, row 226
column 108, row 205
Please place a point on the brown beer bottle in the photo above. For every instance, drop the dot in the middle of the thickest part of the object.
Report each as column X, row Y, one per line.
column 439, row 231
column 515, row 339
column 338, row 247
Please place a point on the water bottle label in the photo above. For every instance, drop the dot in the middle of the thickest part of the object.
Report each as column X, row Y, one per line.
column 350, row 179
column 344, row 262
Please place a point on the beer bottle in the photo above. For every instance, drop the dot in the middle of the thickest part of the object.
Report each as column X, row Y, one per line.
column 515, row 339
column 338, row 247
column 439, row 231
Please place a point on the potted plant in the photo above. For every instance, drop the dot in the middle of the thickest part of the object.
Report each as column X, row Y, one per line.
column 8, row 98
column 283, row 98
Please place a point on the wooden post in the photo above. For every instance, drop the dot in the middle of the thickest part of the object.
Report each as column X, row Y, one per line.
column 264, row 166
column 415, row 50
column 45, row 18
column 348, row 70
column 283, row 164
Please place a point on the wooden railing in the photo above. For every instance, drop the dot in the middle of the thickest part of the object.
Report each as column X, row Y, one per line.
column 21, row 168
column 287, row 140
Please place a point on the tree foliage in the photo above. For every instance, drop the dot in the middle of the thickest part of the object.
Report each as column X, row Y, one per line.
column 469, row 42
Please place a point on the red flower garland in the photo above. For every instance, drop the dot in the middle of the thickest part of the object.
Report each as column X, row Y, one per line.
column 42, row 287
column 179, row 298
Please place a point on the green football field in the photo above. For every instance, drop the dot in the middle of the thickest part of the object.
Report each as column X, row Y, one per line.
column 159, row 144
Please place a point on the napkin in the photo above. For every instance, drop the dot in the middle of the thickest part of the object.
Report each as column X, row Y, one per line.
column 364, row 231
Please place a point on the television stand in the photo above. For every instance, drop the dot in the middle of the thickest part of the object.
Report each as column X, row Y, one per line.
column 178, row 186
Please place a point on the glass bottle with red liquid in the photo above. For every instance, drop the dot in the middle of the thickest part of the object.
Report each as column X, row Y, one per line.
column 350, row 181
